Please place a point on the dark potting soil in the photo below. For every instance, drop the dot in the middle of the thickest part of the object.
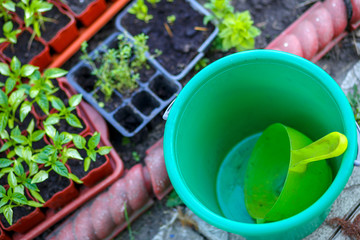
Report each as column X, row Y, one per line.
column 55, row 183
column 179, row 50
column 128, row 118
column 57, row 22
column 85, row 79
column 63, row 126
column 77, row 166
column 21, row 50
column 2, row 78
column 77, row 6
column 110, row 105
column 146, row 73
column 24, row 124
column 145, row 102
column 18, row 212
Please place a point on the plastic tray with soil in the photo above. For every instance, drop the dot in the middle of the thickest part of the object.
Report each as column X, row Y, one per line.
column 128, row 113
column 182, row 41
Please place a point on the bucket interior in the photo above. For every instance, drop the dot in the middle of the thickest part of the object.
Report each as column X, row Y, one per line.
column 237, row 102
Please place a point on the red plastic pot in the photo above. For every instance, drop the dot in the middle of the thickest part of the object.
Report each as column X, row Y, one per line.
column 27, row 222
column 90, row 14
column 66, row 35
column 41, row 60
column 3, row 235
column 99, row 173
column 63, row 197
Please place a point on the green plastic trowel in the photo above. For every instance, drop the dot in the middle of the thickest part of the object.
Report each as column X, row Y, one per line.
column 284, row 175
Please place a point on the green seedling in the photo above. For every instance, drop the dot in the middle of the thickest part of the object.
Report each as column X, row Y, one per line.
column 140, row 10
column 15, row 73
column 33, row 17
column 201, row 64
column 171, row 19
column 135, row 156
column 91, row 148
column 173, row 200
column 10, row 35
column 153, row 2
column 8, row 107
column 11, row 199
column 119, row 68
column 236, row 29
column 6, row 6
column 354, row 99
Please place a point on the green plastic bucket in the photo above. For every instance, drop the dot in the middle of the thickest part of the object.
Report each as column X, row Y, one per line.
column 225, row 107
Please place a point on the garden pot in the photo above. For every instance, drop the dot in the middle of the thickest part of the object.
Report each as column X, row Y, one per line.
column 97, row 170
column 212, row 118
column 185, row 47
column 62, row 197
column 127, row 114
column 26, row 222
column 66, row 35
column 38, row 55
column 86, row 13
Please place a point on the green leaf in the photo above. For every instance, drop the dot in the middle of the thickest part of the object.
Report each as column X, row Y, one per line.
column 27, row 70
column 5, row 146
column 8, row 213
column 12, row 180
column 4, row 69
column 2, row 191
column 4, row 162
column 40, row 158
column 54, row 73
column 34, row 204
column 60, row 169
column 75, row 100
column 41, row 176
column 173, row 200
column 37, row 196
column 50, row 131
column 3, row 99
column 79, row 141
column 52, row 119
column 65, row 137
column 16, row 97
column 57, row 104
column 15, row 65
column 19, row 198
column 24, row 110
column 73, row 153
column 19, row 189
column 33, row 168
column 75, row 178
column 20, row 139
column 9, row 85
column 43, row 103
column 18, row 168
column 87, row 162
column 27, row 154
column 31, row 127
column 3, row 201
column 37, row 135
column 94, row 141
column 73, row 121
column 104, row 150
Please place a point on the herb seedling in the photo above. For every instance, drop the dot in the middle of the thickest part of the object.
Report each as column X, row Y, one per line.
column 153, row 2
column 119, row 67
column 171, row 19
column 354, row 99
column 140, row 10
column 236, row 29
column 10, row 35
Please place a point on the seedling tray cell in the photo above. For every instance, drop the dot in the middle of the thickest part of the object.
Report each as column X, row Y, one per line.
column 127, row 114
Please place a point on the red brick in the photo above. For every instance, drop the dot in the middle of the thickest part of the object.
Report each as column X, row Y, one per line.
column 83, row 227
column 135, row 187
column 117, row 199
column 100, row 211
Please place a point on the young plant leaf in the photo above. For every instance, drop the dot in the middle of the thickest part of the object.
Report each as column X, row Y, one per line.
column 54, row 73
column 37, row 135
column 75, row 100
column 60, row 169
column 4, row 69
column 27, row 70
column 104, row 150
column 73, row 153
column 79, row 141
column 87, row 162
column 41, row 176
column 94, row 140
column 75, row 178
column 24, row 110
column 37, row 196
column 73, row 121
column 34, row 204
column 12, row 179
column 19, row 198
column 4, row 162
column 8, row 213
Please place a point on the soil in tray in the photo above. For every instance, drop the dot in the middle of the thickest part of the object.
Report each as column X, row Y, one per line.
column 179, row 50
column 59, row 21
column 21, row 50
column 77, row 6
column 24, row 124
column 77, row 166
column 55, row 183
column 18, row 212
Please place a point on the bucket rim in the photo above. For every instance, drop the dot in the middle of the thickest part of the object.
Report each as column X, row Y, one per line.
column 322, row 205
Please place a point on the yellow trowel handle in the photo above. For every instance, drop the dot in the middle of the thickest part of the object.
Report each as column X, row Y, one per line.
column 331, row 145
